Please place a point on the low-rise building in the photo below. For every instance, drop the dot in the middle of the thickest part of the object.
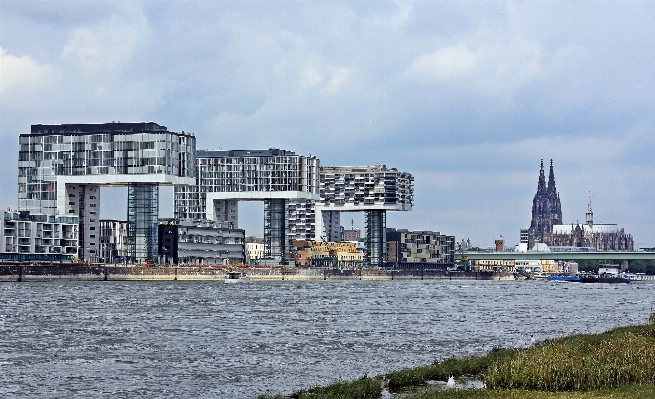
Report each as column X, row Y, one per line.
column 113, row 241
column 200, row 242
column 419, row 249
column 493, row 265
column 254, row 249
column 530, row 266
column 343, row 255
column 26, row 236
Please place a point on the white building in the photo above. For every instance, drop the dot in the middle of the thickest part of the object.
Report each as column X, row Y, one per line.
column 25, row 236
column 275, row 176
column 113, row 241
column 370, row 189
column 62, row 167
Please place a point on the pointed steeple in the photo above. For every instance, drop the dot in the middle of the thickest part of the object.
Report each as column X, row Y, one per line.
column 551, row 180
column 541, row 188
column 590, row 213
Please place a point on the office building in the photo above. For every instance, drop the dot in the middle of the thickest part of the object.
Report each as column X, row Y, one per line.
column 62, row 167
column 370, row 189
column 26, row 236
column 419, row 250
column 274, row 176
column 200, row 242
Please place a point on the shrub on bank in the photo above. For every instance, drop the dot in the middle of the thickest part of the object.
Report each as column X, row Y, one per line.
column 363, row 388
column 583, row 362
column 439, row 371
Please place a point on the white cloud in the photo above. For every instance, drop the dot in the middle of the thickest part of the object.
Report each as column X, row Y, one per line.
column 339, row 78
column 450, row 62
column 309, row 77
column 107, row 46
column 22, row 77
column 487, row 67
column 402, row 16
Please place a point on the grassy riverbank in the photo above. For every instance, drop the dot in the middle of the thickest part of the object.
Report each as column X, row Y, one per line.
column 619, row 363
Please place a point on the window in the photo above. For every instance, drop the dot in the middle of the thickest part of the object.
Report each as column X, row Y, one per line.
column 92, row 228
column 92, row 205
column 92, row 236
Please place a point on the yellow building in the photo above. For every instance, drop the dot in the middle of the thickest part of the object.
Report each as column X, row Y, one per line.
column 549, row 266
column 335, row 254
column 486, row 265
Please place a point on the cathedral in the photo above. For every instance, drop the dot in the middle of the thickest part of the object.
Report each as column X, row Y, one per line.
column 546, row 207
column 546, row 225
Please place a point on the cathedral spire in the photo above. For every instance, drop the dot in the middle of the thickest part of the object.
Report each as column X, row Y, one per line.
column 542, row 179
column 590, row 213
column 551, row 180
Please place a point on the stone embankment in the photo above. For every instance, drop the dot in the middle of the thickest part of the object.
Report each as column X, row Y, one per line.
column 168, row 273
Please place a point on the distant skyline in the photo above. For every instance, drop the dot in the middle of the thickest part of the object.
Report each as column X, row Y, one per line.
column 466, row 96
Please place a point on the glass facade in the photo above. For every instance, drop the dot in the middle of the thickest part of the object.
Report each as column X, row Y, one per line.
column 61, row 168
column 253, row 171
column 276, row 227
column 142, row 222
column 376, row 238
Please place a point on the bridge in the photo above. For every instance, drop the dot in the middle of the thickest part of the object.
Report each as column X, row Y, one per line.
column 559, row 255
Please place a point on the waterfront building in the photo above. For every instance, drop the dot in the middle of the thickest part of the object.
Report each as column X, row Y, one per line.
column 62, row 167
column 547, row 228
column 601, row 236
column 342, row 255
column 373, row 190
column 493, row 265
column 113, row 241
column 26, row 236
column 200, row 242
column 419, row 249
column 274, row 176
column 254, row 249
column 530, row 266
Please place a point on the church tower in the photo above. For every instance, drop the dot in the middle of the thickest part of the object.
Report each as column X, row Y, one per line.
column 546, row 208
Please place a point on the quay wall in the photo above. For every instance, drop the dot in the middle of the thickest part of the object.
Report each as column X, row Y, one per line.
column 170, row 273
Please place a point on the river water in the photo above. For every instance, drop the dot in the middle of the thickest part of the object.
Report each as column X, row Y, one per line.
column 213, row 340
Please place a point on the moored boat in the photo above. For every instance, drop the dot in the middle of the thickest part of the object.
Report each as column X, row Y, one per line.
column 236, row 276
column 594, row 278
column 570, row 279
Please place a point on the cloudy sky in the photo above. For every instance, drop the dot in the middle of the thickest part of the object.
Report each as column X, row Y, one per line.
column 467, row 96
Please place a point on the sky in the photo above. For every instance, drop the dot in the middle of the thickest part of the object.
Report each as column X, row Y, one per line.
column 466, row 96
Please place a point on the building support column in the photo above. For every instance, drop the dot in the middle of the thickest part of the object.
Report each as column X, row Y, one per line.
column 142, row 219
column 376, row 238
column 276, row 226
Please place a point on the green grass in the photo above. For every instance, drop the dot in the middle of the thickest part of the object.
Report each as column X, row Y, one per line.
column 619, row 363
column 581, row 362
column 439, row 371
column 363, row 388
column 624, row 392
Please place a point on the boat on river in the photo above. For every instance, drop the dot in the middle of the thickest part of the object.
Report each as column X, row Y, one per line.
column 611, row 279
column 237, row 276
column 567, row 279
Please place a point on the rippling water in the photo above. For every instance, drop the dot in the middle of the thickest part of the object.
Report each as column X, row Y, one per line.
column 216, row 340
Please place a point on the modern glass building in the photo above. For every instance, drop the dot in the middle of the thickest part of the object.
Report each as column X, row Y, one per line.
column 62, row 167
column 25, row 236
column 275, row 176
column 370, row 189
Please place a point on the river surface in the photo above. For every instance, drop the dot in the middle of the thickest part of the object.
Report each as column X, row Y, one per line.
column 182, row 339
